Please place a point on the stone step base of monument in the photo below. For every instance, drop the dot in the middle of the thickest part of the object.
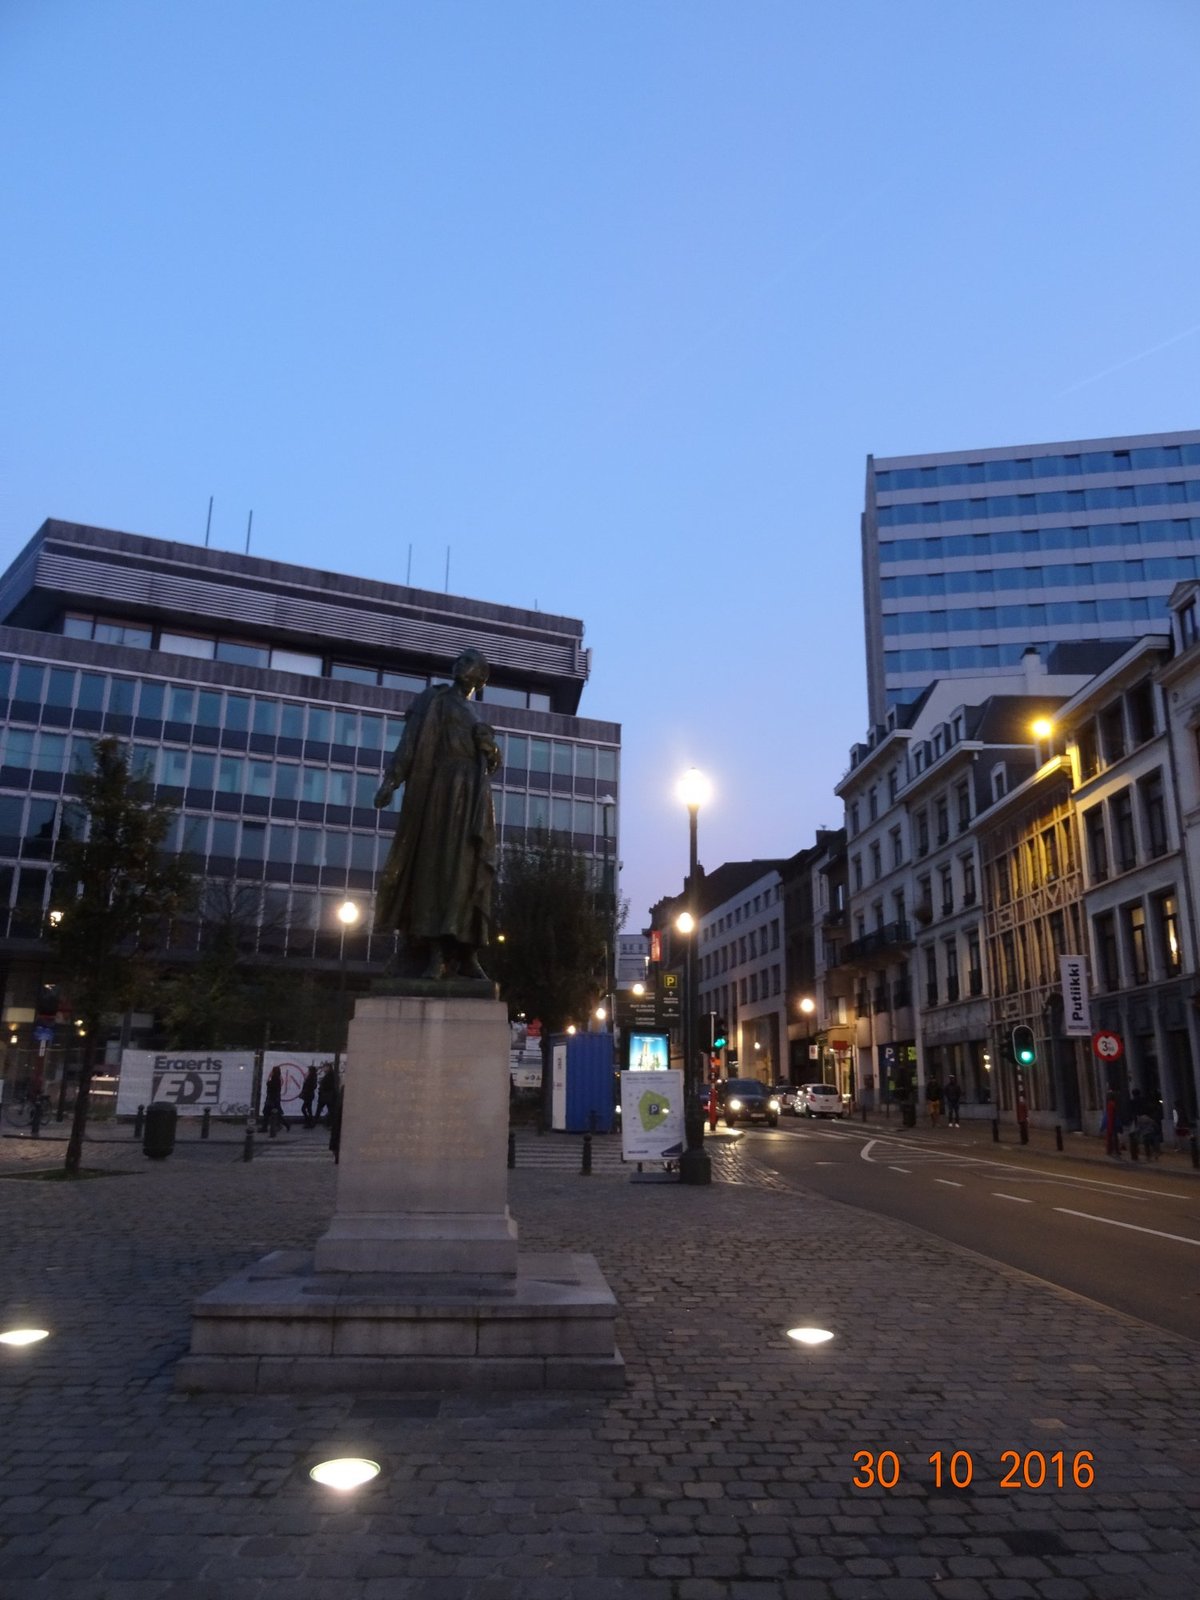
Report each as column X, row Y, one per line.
column 280, row 1327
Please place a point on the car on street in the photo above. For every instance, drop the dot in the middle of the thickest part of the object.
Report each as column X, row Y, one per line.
column 785, row 1093
column 819, row 1100
column 748, row 1100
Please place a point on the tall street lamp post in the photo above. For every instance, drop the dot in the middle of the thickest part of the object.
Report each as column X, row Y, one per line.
column 694, row 1164
column 348, row 914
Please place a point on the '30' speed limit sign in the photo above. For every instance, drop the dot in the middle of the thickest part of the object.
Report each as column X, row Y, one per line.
column 1108, row 1046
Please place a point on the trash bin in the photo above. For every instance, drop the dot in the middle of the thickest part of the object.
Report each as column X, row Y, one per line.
column 908, row 1114
column 159, row 1138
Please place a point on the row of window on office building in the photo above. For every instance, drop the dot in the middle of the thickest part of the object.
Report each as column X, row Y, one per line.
column 249, row 653
column 1008, row 469
column 96, row 702
column 1046, row 502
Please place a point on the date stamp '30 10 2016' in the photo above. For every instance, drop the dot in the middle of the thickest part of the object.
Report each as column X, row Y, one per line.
column 881, row 1469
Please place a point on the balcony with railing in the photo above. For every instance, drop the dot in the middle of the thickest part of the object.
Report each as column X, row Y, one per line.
column 882, row 940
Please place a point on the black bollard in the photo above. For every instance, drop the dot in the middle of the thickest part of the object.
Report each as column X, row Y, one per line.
column 204, row 1122
column 512, row 1149
column 1133, row 1146
column 864, row 1113
column 138, row 1122
column 586, row 1169
column 995, row 1130
column 248, row 1146
column 1023, row 1129
column 1058, row 1135
column 35, row 1120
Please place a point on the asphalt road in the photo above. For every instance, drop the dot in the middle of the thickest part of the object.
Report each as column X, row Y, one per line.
column 1125, row 1236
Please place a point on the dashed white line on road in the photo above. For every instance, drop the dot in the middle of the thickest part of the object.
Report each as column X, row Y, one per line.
column 1177, row 1238
column 1019, row 1198
column 907, row 1170
column 949, row 1182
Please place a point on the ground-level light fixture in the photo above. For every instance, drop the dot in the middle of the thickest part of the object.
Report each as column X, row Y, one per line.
column 345, row 1472
column 810, row 1335
column 19, row 1336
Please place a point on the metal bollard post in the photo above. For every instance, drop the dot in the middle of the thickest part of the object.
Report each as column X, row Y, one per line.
column 1058, row 1135
column 586, row 1169
column 35, row 1120
column 1023, row 1128
column 204, row 1122
column 139, row 1122
column 864, row 1113
column 512, row 1149
column 248, row 1147
column 995, row 1130
column 1133, row 1146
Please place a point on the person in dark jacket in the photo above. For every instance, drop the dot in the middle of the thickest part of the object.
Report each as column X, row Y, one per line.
column 272, row 1111
column 308, row 1094
column 953, row 1098
column 327, row 1094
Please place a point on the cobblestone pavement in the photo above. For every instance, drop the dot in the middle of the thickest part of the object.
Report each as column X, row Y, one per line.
column 724, row 1471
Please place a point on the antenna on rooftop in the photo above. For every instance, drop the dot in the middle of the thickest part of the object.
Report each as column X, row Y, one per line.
column 208, row 524
column 447, row 569
column 249, row 525
column 408, row 574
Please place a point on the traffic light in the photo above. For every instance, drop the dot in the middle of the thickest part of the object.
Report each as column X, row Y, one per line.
column 47, row 1002
column 1023, row 1048
column 720, row 1034
column 708, row 1027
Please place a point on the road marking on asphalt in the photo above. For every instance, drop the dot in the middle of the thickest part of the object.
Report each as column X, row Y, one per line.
column 907, row 1170
column 952, row 1158
column 1177, row 1238
column 949, row 1182
column 1019, row 1198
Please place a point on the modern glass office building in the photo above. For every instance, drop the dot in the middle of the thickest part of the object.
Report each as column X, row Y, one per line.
column 262, row 700
column 971, row 557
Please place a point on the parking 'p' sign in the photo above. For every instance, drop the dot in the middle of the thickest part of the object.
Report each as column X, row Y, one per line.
column 1108, row 1046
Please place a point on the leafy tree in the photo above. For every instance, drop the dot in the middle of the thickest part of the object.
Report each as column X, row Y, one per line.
column 558, row 932
column 116, row 891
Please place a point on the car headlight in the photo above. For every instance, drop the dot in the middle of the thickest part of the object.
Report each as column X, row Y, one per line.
column 772, row 1105
column 735, row 1105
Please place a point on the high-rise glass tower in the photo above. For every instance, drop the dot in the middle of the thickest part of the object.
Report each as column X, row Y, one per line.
column 972, row 556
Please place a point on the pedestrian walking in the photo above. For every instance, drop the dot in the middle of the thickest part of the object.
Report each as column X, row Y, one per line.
column 1150, row 1135
column 272, row 1111
column 933, row 1100
column 308, row 1094
column 327, row 1094
column 953, row 1099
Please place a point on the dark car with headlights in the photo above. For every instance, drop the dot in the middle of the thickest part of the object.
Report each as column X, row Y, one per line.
column 748, row 1100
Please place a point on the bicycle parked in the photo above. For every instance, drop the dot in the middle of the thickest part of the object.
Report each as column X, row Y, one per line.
column 28, row 1106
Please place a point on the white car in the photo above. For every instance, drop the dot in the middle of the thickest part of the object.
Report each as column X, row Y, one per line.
column 819, row 1100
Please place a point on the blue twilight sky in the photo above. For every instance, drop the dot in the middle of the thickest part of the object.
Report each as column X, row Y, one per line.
column 609, row 298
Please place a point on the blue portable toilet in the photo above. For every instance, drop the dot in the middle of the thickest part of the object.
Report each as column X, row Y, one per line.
column 582, row 1083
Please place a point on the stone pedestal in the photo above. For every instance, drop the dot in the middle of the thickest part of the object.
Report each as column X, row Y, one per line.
column 422, row 1170
column 417, row 1283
